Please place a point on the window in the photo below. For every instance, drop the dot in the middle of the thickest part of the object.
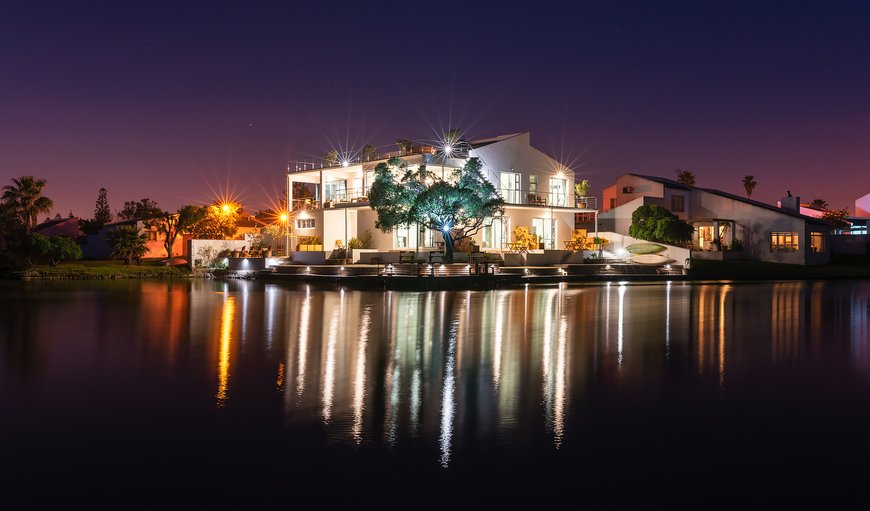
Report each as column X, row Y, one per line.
column 677, row 204
column 533, row 184
column 817, row 242
column 336, row 190
column 495, row 232
column 404, row 236
column 543, row 228
column 305, row 223
column 612, row 202
column 558, row 192
column 152, row 235
column 783, row 242
column 369, row 180
column 426, row 237
column 510, row 187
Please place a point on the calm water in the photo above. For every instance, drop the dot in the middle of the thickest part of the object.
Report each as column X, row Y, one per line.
column 276, row 389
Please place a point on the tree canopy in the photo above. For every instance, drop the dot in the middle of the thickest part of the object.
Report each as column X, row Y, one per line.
column 102, row 213
column 836, row 217
column 685, row 177
column 217, row 222
column 23, row 200
column 655, row 223
column 457, row 207
column 171, row 225
column 127, row 243
column 53, row 249
column 144, row 209
column 819, row 203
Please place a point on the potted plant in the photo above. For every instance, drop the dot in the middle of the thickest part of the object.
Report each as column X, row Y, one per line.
column 267, row 251
column 581, row 190
column 235, row 252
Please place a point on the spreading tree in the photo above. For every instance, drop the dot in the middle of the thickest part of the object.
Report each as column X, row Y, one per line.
column 53, row 249
column 218, row 222
column 171, row 225
column 144, row 209
column 838, row 218
column 457, row 207
column 655, row 223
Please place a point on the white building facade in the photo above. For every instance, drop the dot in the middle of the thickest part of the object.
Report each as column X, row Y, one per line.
column 537, row 189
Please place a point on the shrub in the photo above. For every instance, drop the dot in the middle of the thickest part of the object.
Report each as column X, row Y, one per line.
column 364, row 240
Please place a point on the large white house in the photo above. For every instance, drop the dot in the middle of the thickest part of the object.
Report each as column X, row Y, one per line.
column 726, row 225
column 538, row 190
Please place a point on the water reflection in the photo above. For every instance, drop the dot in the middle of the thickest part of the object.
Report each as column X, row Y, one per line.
column 226, row 332
column 443, row 370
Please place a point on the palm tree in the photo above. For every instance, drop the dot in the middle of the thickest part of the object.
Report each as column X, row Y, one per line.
column 369, row 152
column 404, row 145
column 127, row 243
column 819, row 204
column 685, row 177
column 25, row 201
column 749, row 184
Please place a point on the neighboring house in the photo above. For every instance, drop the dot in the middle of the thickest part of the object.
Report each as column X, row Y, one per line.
column 726, row 225
column 862, row 207
column 59, row 226
column 538, row 191
column 248, row 226
column 96, row 246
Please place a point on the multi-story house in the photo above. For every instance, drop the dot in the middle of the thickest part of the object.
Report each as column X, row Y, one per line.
column 726, row 225
column 537, row 189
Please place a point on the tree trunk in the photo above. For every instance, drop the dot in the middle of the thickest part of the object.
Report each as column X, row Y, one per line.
column 167, row 245
column 448, row 247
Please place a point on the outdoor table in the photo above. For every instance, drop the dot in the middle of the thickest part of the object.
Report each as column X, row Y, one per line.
column 517, row 247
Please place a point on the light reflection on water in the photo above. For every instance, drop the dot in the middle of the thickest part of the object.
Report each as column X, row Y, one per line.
column 447, row 370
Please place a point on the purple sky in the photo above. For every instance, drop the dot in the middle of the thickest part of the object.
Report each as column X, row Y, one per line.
column 149, row 99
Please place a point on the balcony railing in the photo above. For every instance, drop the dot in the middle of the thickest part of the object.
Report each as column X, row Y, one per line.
column 513, row 197
column 548, row 199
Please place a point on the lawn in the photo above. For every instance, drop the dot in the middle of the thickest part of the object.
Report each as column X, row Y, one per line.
column 150, row 268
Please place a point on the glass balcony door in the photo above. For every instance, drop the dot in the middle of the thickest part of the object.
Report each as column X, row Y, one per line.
column 510, row 187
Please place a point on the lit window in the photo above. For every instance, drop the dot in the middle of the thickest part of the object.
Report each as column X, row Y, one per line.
column 677, row 203
column 817, row 242
column 510, row 187
column 305, row 223
column 783, row 242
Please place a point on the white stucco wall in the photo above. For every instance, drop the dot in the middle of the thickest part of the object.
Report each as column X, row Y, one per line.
column 202, row 249
column 753, row 224
column 516, row 154
column 758, row 223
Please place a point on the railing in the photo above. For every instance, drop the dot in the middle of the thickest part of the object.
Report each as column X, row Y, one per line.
column 548, row 199
column 515, row 197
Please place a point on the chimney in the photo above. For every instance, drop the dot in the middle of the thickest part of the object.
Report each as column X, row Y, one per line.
column 790, row 203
